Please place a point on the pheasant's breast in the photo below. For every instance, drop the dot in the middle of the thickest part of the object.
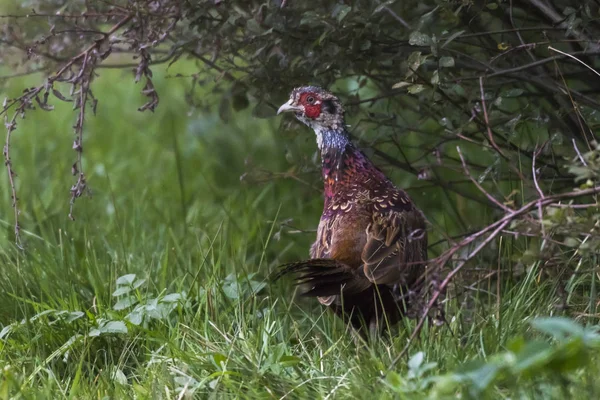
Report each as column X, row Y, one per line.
column 342, row 234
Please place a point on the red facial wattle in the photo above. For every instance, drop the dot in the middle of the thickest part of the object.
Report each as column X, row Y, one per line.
column 311, row 110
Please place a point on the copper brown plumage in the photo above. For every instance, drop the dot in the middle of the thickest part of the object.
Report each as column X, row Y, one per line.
column 371, row 241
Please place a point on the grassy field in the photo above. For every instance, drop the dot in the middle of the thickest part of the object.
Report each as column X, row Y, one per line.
column 159, row 290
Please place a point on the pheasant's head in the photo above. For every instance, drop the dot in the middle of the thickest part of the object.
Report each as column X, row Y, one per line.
column 316, row 108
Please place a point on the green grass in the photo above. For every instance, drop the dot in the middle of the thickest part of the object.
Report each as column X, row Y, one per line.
column 159, row 288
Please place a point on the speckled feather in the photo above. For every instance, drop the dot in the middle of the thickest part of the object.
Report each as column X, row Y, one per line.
column 371, row 241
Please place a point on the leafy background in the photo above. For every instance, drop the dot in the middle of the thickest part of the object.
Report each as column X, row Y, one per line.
column 159, row 288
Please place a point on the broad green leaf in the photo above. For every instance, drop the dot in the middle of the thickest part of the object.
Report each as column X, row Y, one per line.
column 400, row 85
column 483, row 377
column 256, row 286
column 340, row 11
column 138, row 283
column 532, row 357
column 263, row 110
column 135, row 317
column 121, row 291
column 558, row 327
column 172, row 298
column 219, row 360
column 231, row 291
column 74, row 315
column 419, row 39
column 109, row 327
column 416, row 360
column 414, row 62
column 126, row 279
column 417, row 88
column 447, row 62
column 288, row 361
column 124, row 303
column 515, row 92
column 114, row 327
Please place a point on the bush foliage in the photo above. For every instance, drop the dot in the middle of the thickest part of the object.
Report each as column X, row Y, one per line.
column 487, row 112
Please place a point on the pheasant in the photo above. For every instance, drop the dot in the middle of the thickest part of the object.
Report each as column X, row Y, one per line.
column 371, row 241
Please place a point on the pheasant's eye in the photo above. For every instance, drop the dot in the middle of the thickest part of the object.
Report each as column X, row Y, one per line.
column 310, row 100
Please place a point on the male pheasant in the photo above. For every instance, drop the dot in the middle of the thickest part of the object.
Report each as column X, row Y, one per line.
column 371, row 241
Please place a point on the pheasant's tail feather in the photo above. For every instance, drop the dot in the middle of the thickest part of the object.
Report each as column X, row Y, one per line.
column 323, row 265
column 323, row 277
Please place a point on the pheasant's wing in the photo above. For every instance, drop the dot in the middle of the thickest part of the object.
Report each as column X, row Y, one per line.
column 396, row 247
column 325, row 277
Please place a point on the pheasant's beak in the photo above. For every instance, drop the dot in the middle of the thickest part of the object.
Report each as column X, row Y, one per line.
column 289, row 107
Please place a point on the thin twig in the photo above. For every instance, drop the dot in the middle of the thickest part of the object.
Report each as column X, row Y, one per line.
column 10, row 127
column 578, row 152
column 574, row 58
column 481, row 189
column 539, row 190
column 492, row 231
column 487, row 121
column 25, row 101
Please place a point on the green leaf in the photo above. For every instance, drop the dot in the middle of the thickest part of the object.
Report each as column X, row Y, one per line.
column 126, row 279
column 459, row 90
column 419, row 39
column 231, row 291
column 400, row 85
column 416, row 88
column 452, row 37
column 109, row 327
column 416, row 360
column 533, row 357
column 263, row 110
column 340, row 11
column 256, row 286
column 74, row 315
column 483, row 377
column 135, row 317
column 118, row 376
column 310, row 18
column 253, row 26
column 124, row 303
column 557, row 327
column 394, row 380
column 571, row 242
column 114, row 327
column 240, row 101
column 121, row 291
column 512, row 92
column 289, row 361
column 219, row 360
column 446, row 385
column 138, row 283
column 172, row 298
column 570, row 356
column 414, row 61
column 447, row 62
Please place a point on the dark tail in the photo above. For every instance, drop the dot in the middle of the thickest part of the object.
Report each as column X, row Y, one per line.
column 324, row 277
